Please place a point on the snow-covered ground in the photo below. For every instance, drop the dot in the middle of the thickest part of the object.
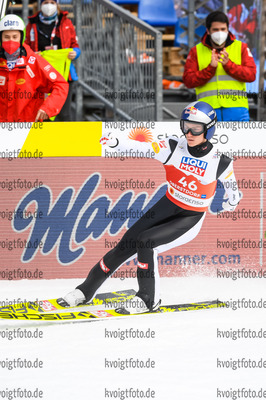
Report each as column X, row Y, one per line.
column 185, row 351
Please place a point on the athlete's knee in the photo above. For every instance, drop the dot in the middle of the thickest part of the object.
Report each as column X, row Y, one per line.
column 144, row 241
column 127, row 245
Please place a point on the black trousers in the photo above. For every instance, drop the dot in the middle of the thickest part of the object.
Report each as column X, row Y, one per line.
column 66, row 113
column 161, row 228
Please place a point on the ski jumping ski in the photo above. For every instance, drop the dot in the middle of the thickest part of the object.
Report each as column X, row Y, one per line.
column 32, row 312
column 52, row 305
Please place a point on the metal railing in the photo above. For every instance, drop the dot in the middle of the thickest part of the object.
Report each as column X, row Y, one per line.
column 3, row 8
column 196, row 19
column 121, row 61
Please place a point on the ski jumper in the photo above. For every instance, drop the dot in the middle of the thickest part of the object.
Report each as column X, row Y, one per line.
column 176, row 219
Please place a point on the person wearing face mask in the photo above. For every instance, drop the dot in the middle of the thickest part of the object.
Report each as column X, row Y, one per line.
column 25, row 78
column 50, row 29
column 219, row 67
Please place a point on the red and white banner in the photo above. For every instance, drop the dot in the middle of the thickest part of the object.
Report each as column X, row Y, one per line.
column 59, row 216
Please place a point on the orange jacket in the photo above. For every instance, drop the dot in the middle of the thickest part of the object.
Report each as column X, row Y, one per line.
column 23, row 89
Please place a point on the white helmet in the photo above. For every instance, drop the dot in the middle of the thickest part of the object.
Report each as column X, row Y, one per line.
column 12, row 22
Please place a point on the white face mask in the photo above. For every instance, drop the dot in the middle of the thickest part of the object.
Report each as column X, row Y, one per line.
column 219, row 37
column 48, row 9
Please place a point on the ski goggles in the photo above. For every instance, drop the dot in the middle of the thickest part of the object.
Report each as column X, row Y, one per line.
column 195, row 128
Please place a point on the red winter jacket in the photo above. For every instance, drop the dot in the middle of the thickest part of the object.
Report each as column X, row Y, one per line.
column 241, row 21
column 246, row 72
column 65, row 31
column 23, row 89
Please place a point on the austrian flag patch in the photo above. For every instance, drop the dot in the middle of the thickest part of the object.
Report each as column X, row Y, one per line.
column 193, row 165
column 143, row 265
column 103, row 266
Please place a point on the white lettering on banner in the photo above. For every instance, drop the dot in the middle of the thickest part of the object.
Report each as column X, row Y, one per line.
column 66, row 221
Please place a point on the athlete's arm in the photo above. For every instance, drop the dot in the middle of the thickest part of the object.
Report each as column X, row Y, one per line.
column 226, row 175
column 160, row 150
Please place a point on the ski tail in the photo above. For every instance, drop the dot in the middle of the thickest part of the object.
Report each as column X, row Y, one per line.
column 52, row 305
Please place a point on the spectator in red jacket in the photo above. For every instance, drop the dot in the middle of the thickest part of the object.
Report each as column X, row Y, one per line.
column 50, row 29
column 218, row 68
column 243, row 21
column 25, row 78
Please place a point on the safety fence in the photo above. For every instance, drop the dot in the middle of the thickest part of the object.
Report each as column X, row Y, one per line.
column 3, row 8
column 121, row 61
column 121, row 57
column 191, row 21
